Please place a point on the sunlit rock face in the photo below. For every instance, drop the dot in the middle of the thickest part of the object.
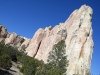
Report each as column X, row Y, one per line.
column 77, row 33
column 13, row 39
column 79, row 43
column 17, row 41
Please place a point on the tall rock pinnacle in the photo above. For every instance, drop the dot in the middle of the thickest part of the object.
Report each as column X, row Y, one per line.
column 77, row 33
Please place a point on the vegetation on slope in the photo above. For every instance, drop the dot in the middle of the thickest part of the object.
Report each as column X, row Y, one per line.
column 57, row 61
column 56, row 64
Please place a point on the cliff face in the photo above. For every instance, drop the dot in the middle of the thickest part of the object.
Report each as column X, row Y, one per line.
column 77, row 33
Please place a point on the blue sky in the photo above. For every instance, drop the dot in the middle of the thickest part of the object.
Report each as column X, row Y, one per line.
column 25, row 16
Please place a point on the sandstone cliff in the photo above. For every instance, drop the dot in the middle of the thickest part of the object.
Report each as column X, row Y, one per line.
column 77, row 33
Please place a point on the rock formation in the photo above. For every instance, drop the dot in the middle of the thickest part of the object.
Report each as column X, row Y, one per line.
column 13, row 39
column 77, row 33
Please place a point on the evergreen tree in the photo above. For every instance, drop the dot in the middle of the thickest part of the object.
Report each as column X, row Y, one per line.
column 57, row 60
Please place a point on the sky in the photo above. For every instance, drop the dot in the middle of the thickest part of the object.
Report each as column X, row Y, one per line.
column 25, row 16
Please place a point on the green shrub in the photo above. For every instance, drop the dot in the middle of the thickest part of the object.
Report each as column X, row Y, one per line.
column 28, row 65
column 5, row 61
column 5, row 58
column 7, row 55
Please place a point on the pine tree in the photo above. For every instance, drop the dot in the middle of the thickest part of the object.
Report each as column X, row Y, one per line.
column 57, row 59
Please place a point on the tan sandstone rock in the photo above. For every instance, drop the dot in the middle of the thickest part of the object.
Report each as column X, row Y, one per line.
column 77, row 33
column 13, row 39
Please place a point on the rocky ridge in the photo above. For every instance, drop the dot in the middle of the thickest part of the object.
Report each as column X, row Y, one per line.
column 77, row 33
column 13, row 39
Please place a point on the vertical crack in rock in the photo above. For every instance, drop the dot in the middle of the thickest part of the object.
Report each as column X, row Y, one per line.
column 82, row 48
column 32, row 49
column 37, row 49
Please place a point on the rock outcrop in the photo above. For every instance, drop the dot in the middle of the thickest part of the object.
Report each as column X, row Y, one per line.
column 77, row 33
column 13, row 39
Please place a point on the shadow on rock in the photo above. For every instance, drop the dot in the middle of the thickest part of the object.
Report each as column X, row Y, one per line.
column 2, row 72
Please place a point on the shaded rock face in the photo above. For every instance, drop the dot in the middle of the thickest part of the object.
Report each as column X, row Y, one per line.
column 77, row 33
column 3, row 33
